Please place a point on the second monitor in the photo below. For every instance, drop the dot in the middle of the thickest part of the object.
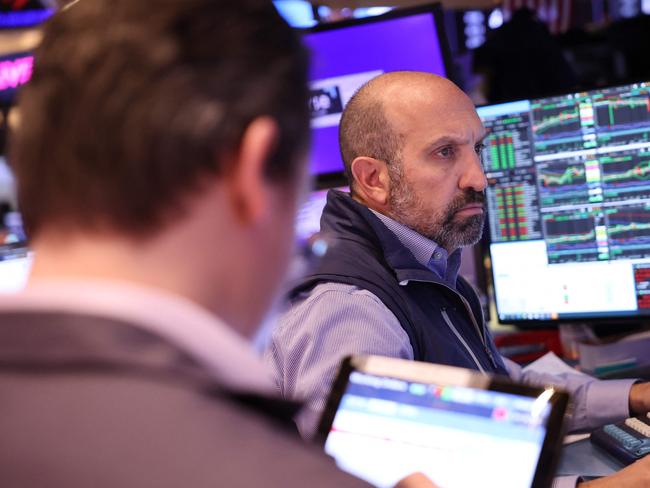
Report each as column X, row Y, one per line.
column 569, row 205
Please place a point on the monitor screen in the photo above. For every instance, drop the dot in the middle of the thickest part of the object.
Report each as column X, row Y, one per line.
column 15, row 264
column 15, row 256
column 348, row 54
column 309, row 214
column 569, row 204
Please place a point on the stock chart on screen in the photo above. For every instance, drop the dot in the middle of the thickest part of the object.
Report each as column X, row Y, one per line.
column 569, row 204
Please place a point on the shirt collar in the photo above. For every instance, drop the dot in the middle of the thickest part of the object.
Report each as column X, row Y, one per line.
column 227, row 356
column 426, row 252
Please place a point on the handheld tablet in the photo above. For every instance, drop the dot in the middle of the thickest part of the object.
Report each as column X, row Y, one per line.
column 387, row 418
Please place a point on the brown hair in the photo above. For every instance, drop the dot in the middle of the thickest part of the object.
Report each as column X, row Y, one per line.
column 131, row 103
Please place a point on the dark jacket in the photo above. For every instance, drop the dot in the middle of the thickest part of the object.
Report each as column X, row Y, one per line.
column 93, row 402
column 444, row 325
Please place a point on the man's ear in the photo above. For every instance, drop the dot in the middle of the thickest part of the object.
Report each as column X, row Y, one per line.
column 249, row 189
column 372, row 183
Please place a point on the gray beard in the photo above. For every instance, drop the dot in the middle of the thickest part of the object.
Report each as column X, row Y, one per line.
column 444, row 230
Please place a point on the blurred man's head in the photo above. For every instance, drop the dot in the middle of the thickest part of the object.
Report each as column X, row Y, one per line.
column 411, row 144
column 152, row 125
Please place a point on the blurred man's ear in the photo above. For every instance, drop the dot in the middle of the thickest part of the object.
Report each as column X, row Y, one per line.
column 248, row 185
column 372, row 184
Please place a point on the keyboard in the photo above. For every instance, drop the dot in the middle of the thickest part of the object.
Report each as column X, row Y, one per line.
column 627, row 441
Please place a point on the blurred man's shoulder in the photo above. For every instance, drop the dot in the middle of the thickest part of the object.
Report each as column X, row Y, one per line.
column 105, row 404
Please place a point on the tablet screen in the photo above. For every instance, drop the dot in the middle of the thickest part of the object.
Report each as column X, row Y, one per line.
column 386, row 428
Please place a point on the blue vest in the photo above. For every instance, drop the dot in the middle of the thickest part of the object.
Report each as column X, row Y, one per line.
column 444, row 326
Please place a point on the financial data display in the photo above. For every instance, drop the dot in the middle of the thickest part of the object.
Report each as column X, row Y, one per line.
column 15, row 256
column 569, row 204
column 347, row 56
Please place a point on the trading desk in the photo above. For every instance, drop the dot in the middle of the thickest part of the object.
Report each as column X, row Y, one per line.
column 582, row 458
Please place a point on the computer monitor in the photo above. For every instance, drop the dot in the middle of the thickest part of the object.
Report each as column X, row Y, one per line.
column 569, row 205
column 15, row 256
column 347, row 54
column 309, row 214
column 15, row 265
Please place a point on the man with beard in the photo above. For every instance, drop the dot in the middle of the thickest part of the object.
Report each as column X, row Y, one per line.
column 389, row 285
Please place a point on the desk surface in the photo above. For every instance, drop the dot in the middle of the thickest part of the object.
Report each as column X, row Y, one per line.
column 582, row 458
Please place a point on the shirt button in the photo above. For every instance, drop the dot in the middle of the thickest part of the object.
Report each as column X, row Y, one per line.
column 437, row 255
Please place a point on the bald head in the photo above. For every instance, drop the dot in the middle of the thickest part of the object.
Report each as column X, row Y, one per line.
column 412, row 146
column 373, row 122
